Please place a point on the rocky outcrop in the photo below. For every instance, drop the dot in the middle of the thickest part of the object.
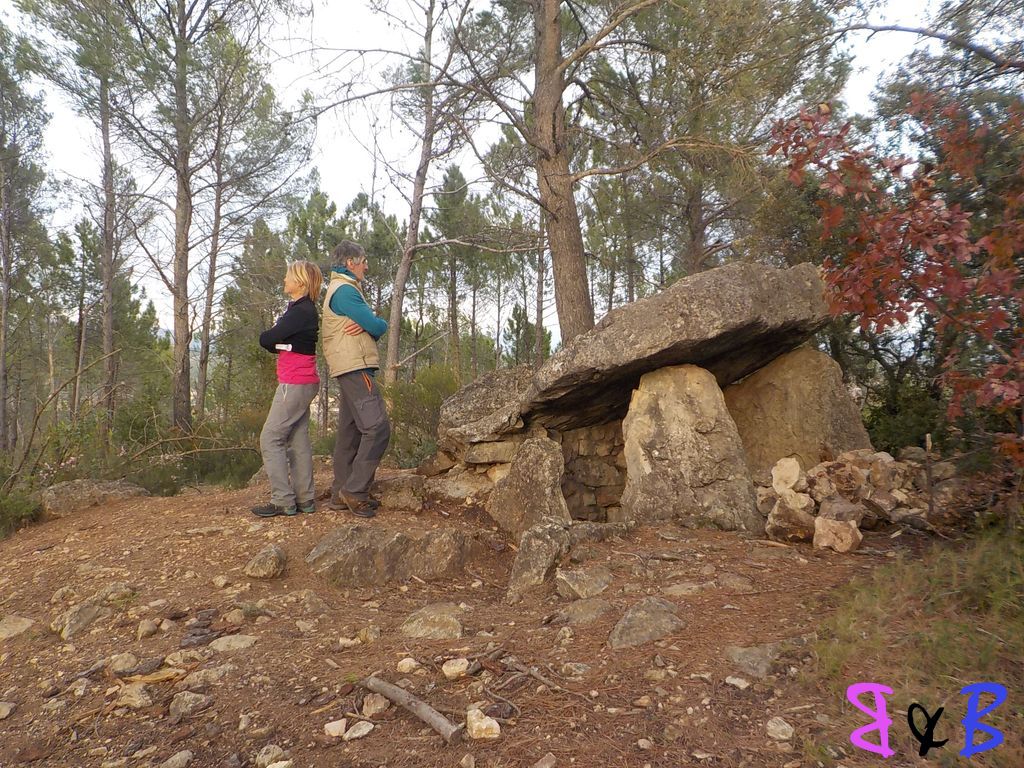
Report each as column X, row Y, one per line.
column 485, row 409
column 684, row 459
column 796, row 406
column 362, row 555
column 64, row 498
column 531, row 492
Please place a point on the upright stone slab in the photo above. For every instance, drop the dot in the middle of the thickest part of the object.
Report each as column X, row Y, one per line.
column 683, row 454
column 531, row 492
column 796, row 406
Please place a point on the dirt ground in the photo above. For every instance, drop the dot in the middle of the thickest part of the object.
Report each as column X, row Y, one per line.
column 662, row 704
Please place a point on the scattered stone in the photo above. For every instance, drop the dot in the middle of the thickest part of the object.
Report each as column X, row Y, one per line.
column 643, row 702
column 539, row 550
column 480, row 726
column 219, row 582
column 755, row 660
column 202, row 679
column 235, row 617
column 407, row 665
column 574, row 669
column 835, row 507
column 147, row 628
column 268, row 563
column 121, row 664
column 468, row 761
column 683, row 589
column 368, row 635
column 735, row 582
column 270, row 754
column 581, row 612
column 402, row 491
column 788, row 477
column 7, row 709
column 182, row 658
column 650, row 619
column 581, row 583
column 305, row 627
column 548, row 761
column 839, row 535
column 779, row 730
column 187, row 703
column 282, row 764
column 374, row 704
column 358, row 731
column 791, row 519
column 645, row 744
column 453, row 669
column 134, row 696
column 437, row 621
column 11, row 626
column 336, row 728
column 78, row 618
column 738, row 682
column 230, row 643
column 179, row 760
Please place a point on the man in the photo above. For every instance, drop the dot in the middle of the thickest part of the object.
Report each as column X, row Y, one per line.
column 350, row 333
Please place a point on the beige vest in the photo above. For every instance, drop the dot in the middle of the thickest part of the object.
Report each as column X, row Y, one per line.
column 345, row 353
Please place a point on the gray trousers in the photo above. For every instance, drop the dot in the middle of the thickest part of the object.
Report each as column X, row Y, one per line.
column 284, row 443
column 363, row 434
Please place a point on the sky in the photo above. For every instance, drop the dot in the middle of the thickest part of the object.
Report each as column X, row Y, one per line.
column 342, row 152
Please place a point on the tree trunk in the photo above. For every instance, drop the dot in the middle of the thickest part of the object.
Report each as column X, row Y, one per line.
column 453, row 318
column 568, row 260
column 497, row 332
column 107, row 266
column 472, row 335
column 76, row 383
column 538, row 352
column 6, row 265
column 211, row 280
column 415, row 210
column 181, row 404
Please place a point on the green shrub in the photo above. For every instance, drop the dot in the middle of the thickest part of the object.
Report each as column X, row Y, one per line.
column 16, row 510
column 903, row 417
column 415, row 411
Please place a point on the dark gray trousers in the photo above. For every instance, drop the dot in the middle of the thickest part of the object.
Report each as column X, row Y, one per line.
column 363, row 433
column 284, row 443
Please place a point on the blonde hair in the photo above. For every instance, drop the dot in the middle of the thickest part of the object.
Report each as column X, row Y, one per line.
column 308, row 276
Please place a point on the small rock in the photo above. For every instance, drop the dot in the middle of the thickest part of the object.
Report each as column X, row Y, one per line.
column 453, row 669
column 12, row 626
column 650, row 619
column 282, row 764
column 235, row 616
column 147, row 628
column 134, row 696
column 270, row 754
column 407, row 665
column 7, row 709
column 336, row 728
column 643, row 702
column 755, row 661
column 374, row 704
column 838, row 535
column 480, row 726
column 268, row 563
column 368, row 635
column 179, row 760
column 122, row 663
column 305, row 627
column 548, row 761
column 738, row 682
column 187, row 703
column 779, row 730
column 574, row 669
column 438, row 621
column 468, row 762
column 219, row 582
column 231, row 643
column 645, row 744
column 358, row 731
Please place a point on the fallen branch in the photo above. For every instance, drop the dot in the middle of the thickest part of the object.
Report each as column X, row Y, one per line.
column 451, row 733
column 513, row 663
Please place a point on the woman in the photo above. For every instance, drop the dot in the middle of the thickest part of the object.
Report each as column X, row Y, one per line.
column 284, row 441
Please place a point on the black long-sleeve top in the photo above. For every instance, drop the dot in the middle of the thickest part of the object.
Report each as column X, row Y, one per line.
column 298, row 326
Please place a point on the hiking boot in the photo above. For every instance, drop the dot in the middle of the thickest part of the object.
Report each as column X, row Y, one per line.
column 355, row 505
column 340, row 502
column 308, row 507
column 272, row 510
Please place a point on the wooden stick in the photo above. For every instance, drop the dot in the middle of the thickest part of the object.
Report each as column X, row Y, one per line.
column 451, row 734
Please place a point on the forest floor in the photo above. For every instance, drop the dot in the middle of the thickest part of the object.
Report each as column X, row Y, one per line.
column 666, row 703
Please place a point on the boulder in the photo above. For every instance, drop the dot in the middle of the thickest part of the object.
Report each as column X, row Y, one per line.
column 437, row 621
column 796, row 406
column 838, row 535
column 64, row 498
column 363, row 555
column 581, row 583
column 838, row 508
column 539, row 550
column 791, row 519
column 458, row 484
column 483, row 410
column 651, row 619
column 731, row 320
column 683, row 455
column 532, row 490
column 400, row 491
column 788, row 477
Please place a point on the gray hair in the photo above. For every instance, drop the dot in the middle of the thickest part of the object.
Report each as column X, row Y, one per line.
column 346, row 251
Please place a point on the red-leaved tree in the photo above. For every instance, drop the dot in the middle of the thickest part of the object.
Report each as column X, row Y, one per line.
column 911, row 250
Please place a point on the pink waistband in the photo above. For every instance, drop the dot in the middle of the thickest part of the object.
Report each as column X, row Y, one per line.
column 296, row 368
